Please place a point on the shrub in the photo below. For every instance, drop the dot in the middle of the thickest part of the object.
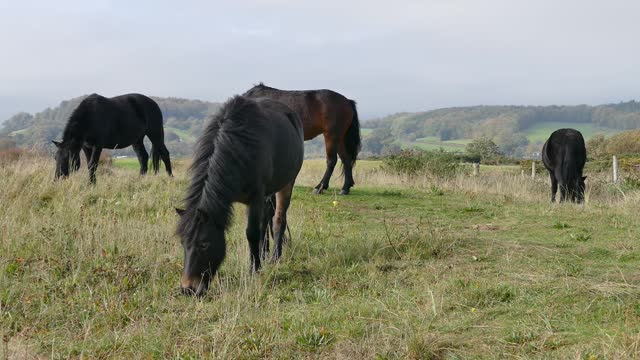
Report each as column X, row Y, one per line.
column 416, row 162
column 9, row 156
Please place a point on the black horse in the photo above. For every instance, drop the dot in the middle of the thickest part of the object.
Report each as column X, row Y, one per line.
column 112, row 123
column 323, row 112
column 251, row 149
column 564, row 155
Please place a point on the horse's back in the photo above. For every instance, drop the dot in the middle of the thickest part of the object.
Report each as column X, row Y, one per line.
column 321, row 111
column 564, row 150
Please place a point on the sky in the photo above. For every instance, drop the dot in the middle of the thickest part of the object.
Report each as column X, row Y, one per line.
column 389, row 56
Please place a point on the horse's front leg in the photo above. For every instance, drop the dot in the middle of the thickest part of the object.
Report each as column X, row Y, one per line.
column 93, row 163
column 254, row 233
column 332, row 160
column 75, row 160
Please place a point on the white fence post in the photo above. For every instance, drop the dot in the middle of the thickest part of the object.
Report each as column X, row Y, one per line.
column 476, row 169
column 533, row 169
column 615, row 169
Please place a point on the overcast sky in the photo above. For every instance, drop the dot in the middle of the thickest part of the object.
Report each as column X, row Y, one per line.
column 390, row 56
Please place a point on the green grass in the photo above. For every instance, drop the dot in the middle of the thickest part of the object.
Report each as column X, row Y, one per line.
column 541, row 131
column 434, row 143
column 391, row 271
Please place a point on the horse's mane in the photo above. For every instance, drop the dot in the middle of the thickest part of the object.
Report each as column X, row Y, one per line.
column 73, row 128
column 220, row 162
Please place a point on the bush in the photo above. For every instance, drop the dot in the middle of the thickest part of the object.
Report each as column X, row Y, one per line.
column 416, row 162
column 9, row 156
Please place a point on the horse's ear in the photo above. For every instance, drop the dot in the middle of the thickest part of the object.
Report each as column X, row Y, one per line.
column 57, row 143
column 180, row 211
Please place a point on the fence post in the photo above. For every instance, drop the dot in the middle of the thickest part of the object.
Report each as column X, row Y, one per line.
column 476, row 169
column 615, row 169
column 522, row 172
column 533, row 169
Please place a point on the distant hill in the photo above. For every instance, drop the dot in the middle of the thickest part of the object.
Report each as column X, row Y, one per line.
column 518, row 130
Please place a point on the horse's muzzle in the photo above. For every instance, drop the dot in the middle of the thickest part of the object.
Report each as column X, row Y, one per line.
column 194, row 285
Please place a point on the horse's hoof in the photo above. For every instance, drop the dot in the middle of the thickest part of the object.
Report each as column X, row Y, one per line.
column 344, row 192
column 318, row 191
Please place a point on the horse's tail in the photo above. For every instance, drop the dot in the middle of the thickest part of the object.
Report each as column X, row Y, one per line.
column 352, row 141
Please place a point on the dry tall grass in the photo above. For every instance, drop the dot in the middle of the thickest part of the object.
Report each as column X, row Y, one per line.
column 402, row 268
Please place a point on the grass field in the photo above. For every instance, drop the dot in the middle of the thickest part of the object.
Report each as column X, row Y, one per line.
column 403, row 268
column 538, row 133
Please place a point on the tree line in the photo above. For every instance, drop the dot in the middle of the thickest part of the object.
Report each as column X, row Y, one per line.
column 504, row 125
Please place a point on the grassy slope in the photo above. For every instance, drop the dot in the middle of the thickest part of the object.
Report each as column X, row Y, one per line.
column 184, row 135
column 390, row 272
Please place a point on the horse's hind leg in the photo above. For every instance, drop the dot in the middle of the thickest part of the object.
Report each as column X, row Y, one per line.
column 254, row 226
column 143, row 156
column 283, row 199
column 160, row 149
column 347, row 168
column 332, row 160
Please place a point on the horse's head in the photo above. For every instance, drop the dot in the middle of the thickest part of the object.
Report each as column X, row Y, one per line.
column 62, row 159
column 204, row 249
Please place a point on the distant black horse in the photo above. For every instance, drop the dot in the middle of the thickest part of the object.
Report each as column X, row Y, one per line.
column 323, row 112
column 250, row 150
column 112, row 123
column 564, row 155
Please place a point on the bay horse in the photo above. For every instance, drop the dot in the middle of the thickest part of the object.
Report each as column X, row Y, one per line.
column 564, row 155
column 323, row 112
column 111, row 123
column 250, row 150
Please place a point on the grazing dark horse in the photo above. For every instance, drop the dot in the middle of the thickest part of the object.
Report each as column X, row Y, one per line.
column 564, row 155
column 251, row 149
column 323, row 112
column 112, row 123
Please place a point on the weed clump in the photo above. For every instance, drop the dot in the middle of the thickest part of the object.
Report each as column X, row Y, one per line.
column 440, row 164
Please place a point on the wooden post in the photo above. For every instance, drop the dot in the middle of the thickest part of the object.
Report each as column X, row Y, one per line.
column 533, row 169
column 615, row 169
column 522, row 172
column 476, row 169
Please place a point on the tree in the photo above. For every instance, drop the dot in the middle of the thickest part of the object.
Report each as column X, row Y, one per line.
column 482, row 149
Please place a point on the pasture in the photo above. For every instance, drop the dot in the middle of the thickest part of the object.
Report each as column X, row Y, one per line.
column 539, row 132
column 414, row 268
